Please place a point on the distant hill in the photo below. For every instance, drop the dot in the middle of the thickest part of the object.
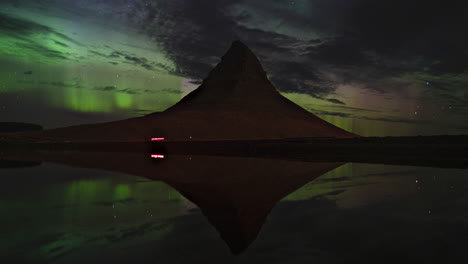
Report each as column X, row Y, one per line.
column 235, row 102
column 14, row 127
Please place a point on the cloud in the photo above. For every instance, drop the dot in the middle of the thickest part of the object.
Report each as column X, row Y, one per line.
column 354, row 109
column 61, row 44
column 358, row 115
column 16, row 26
column 143, row 62
column 195, row 41
column 126, row 57
column 61, row 84
column 128, row 91
column 395, row 120
column 42, row 50
column 344, row 115
column 98, row 53
column 20, row 28
column 23, row 32
column 112, row 88
column 106, row 88
column 359, row 41
column 335, row 101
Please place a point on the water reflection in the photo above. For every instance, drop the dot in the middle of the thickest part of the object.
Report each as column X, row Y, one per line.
column 51, row 210
column 353, row 212
column 236, row 194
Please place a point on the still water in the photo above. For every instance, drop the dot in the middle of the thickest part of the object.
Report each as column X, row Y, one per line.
column 233, row 210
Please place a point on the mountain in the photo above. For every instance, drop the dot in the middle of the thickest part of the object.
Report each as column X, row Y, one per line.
column 235, row 102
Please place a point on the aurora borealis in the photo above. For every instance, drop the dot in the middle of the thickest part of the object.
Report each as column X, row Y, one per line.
column 68, row 71
column 377, row 69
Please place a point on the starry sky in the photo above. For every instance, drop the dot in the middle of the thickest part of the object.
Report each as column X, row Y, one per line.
column 376, row 68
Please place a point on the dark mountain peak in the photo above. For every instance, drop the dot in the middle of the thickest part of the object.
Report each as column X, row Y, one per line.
column 238, row 79
column 240, row 52
column 238, row 63
column 239, row 44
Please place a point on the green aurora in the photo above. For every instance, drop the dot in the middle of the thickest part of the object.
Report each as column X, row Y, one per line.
column 108, row 75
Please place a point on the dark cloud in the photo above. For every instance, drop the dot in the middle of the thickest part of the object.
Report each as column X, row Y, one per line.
column 16, row 26
column 61, row 44
column 106, row 88
column 143, row 62
column 395, row 120
column 19, row 28
column 354, row 109
column 193, row 33
column 97, row 53
column 360, row 41
column 358, row 115
column 195, row 40
column 22, row 30
column 61, row 84
column 65, row 37
column 112, row 88
column 111, row 56
column 42, row 50
column 196, row 82
column 132, row 59
column 128, row 91
column 345, row 115
column 116, row 54
column 335, row 101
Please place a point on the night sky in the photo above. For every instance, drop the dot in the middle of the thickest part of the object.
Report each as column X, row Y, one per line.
column 376, row 68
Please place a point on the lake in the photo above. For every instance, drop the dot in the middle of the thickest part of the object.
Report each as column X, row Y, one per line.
column 202, row 209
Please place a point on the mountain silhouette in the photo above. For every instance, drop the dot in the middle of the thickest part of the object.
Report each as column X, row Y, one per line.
column 235, row 102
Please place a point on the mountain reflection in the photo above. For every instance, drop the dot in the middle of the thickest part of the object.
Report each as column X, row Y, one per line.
column 235, row 194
